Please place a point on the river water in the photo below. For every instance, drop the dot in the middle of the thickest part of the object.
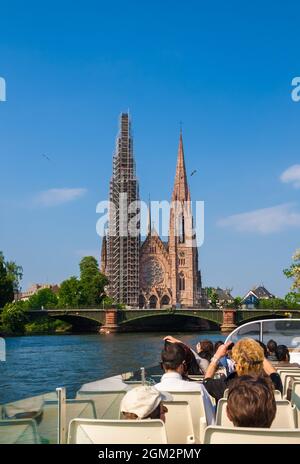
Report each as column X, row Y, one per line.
column 38, row 364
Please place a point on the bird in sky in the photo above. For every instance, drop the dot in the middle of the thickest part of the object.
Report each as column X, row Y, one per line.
column 195, row 170
column 47, row 157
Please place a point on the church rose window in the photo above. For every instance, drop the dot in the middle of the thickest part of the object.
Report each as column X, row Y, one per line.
column 152, row 273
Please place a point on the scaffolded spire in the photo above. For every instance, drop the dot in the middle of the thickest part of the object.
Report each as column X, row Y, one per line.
column 123, row 248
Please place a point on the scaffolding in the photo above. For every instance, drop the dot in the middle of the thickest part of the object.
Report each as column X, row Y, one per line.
column 123, row 247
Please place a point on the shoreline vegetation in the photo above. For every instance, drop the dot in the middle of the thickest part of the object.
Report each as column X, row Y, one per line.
column 89, row 291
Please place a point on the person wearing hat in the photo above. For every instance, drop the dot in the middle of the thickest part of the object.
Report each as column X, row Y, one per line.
column 145, row 402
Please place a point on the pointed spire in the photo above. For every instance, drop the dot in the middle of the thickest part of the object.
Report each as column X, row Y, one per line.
column 181, row 189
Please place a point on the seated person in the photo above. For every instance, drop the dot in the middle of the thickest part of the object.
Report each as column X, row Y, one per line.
column 271, row 348
column 144, row 402
column 225, row 361
column 283, row 357
column 249, row 359
column 195, row 365
column 251, row 402
column 173, row 363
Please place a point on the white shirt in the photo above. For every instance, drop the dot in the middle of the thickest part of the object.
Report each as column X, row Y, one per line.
column 172, row 381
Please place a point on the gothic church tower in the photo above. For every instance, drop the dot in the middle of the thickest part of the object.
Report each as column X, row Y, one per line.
column 183, row 251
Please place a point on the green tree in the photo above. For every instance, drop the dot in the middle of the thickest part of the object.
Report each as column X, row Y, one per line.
column 10, row 276
column 44, row 298
column 92, row 281
column 273, row 303
column 14, row 318
column 293, row 272
column 70, row 293
column 237, row 301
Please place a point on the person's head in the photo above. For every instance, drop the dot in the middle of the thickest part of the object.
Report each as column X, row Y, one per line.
column 251, row 402
column 271, row 346
column 263, row 347
column 282, row 353
column 173, row 358
column 206, row 349
column 144, row 402
column 217, row 344
column 248, row 357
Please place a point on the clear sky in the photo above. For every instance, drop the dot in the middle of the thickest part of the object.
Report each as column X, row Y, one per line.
column 223, row 68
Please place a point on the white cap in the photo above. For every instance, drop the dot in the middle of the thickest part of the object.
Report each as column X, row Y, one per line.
column 142, row 401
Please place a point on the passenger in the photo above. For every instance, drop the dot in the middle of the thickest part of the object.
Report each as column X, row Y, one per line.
column 272, row 347
column 263, row 347
column 283, row 357
column 224, row 361
column 173, row 363
column 144, row 403
column 194, row 365
column 251, row 402
column 205, row 349
column 249, row 360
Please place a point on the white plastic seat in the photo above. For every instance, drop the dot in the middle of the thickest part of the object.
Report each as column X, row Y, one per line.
column 286, row 378
column 195, row 400
column 19, row 431
column 295, row 398
column 86, row 431
column 107, row 403
column 179, row 423
column 245, row 435
column 286, row 415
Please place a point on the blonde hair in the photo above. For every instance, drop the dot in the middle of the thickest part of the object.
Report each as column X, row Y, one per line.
column 248, row 356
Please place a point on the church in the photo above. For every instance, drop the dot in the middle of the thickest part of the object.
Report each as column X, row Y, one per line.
column 152, row 273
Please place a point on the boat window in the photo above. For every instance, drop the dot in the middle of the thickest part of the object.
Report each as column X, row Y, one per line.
column 284, row 332
column 251, row 330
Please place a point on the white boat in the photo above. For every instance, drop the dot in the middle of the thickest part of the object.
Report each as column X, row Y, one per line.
column 94, row 415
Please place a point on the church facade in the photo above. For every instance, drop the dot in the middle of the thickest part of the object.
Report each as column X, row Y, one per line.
column 167, row 271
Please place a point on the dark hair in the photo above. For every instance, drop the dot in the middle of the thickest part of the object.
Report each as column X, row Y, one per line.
column 207, row 350
column 263, row 347
column 183, row 353
column 251, row 402
column 282, row 353
column 272, row 346
column 217, row 344
column 172, row 356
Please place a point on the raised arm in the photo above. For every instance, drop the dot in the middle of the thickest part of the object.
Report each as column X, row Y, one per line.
column 221, row 351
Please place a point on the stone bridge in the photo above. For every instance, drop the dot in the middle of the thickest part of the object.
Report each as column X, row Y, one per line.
column 119, row 320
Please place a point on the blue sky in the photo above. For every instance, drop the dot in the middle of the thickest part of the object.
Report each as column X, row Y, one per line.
column 224, row 69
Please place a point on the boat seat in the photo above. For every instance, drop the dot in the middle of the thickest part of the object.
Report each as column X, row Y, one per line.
column 286, row 415
column 87, row 431
column 19, row 431
column 295, row 398
column 244, row 435
column 286, row 379
column 107, row 403
column 179, row 422
column 195, row 401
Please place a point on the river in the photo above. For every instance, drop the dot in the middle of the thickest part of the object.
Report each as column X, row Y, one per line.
column 38, row 364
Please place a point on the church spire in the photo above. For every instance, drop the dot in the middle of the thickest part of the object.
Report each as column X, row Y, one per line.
column 181, row 189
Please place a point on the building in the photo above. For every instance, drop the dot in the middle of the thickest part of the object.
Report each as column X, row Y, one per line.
column 154, row 273
column 252, row 298
column 217, row 297
column 34, row 288
column 120, row 251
